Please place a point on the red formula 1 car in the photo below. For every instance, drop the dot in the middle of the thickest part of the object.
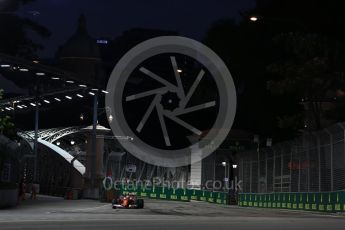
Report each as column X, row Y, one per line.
column 128, row 201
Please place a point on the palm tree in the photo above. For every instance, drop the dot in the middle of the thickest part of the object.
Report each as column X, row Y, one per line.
column 8, row 153
column 6, row 126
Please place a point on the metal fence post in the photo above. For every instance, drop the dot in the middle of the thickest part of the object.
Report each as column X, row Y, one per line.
column 331, row 163
column 319, row 159
column 299, row 172
column 266, row 172
column 35, row 176
column 281, row 170
column 332, row 170
column 242, row 174
column 274, row 169
column 251, row 176
column 343, row 127
column 258, row 169
column 308, row 160
column 214, row 171
column 291, row 168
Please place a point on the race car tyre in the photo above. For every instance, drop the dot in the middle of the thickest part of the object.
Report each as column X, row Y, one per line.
column 140, row 203
column 115, row 201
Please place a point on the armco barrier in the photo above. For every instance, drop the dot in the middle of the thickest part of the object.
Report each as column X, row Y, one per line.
column 176, row 194
column 324, row 201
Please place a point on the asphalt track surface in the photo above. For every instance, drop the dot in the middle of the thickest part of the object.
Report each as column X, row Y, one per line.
column 56, row 213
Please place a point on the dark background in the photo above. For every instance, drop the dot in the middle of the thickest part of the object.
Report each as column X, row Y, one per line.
column 288, row 66
column 107, row 18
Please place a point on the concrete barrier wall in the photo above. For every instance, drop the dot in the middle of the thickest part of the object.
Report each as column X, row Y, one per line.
column 323, row 201
column 176, row 194
column 8, row 197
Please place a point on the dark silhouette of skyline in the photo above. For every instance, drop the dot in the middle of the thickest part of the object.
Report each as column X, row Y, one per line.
column 110, row 18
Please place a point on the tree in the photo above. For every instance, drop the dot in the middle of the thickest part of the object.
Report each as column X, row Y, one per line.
column 6, row 126
column 242, row 47
column 14, row 30
column 289, row 54
column 309, row 69
column 308, row 59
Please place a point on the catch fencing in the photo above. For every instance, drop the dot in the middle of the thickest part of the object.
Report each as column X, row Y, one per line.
column 314, row 162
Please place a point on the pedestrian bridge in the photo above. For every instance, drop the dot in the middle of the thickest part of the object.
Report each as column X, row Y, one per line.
column 49, row 138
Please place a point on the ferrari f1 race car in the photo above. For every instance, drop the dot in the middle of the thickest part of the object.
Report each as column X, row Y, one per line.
column 128, row 201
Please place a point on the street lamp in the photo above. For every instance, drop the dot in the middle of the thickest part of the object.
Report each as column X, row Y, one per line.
column 110, row 118
column 257, row 140
column 234, row 166
column 253, row 18
column 226, row 179
column 287, row 21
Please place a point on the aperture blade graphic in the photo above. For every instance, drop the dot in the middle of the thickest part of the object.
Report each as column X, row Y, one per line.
column 195, row 108
column 147, row 114
column 163, row 126
column 191, row 91
column 183, row 124
column 157, row 78
column 145, row 94
column 177, row 76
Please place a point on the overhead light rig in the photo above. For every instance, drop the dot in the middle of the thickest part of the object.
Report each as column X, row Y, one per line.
column 57, row 97
column 75, row 88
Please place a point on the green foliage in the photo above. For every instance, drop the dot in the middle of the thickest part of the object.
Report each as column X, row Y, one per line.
column 239, row 46
column 309, row 68
column 7, row 154
column 309, row 65
column 274, row 69
column 7, row 128
column 291, row 122
column 3, row 155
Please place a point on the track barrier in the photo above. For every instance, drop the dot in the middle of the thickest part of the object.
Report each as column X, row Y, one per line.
column 320, row 201
column 178, row 194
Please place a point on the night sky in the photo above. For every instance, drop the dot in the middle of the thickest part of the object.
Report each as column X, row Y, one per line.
column 108, row 18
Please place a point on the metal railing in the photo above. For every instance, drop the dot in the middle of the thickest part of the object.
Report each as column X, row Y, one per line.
column 314, row 162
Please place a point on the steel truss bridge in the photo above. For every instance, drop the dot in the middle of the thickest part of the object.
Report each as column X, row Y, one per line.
column 116, row 160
